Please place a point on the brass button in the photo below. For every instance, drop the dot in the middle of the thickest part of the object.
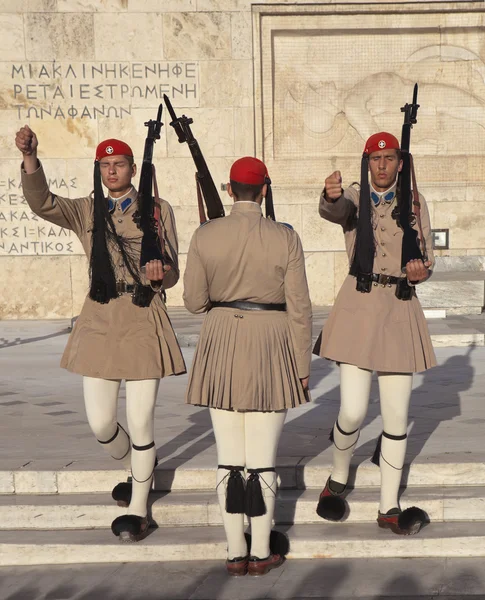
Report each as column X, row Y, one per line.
column 383, row 229
column 384, row 254
column 375, row 284
column 383, row 244
column 120, row 220
column 383, row 269
column 382, row 216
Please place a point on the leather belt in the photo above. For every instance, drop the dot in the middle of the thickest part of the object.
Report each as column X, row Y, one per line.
column 243, row 305
column 125, row 288
column 379, row 278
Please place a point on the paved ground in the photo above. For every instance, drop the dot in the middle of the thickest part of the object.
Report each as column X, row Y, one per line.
column 366, row 579
column 42, row 418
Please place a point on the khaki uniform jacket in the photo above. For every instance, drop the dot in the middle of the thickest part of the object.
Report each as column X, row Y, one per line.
column 246, row 257
column 376, row 330
column 117, row 340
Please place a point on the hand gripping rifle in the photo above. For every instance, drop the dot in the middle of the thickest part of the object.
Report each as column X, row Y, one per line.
column 148, row 215
column 412, row 241
column 206, row 188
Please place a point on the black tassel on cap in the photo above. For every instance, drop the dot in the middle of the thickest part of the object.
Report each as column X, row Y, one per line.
column 234, row 489
column 103, row 280
column 364, row 249
column 268, row 201
column 255, row 505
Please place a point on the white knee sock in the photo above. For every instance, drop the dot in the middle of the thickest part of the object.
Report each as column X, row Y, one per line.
column 395, row 393
column 262, row 433
column 141, row 397
column 229, row 433
column 354, row 401
column 101, row 403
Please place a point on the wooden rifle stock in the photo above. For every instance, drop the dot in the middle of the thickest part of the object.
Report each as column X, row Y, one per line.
column 205, row 183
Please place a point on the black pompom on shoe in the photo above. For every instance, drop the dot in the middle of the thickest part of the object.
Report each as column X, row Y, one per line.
column 121, row 493
column 412, row 520
column 406, row 522
column 279, row 543
column 332, row 506
column 130, row 528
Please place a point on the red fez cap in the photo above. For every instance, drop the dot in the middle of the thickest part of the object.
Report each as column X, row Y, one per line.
column 249, row 170
column 113, row 147
column 381, row 141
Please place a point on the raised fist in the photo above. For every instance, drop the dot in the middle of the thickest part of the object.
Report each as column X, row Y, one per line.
column 333, row 186
column 26, row 141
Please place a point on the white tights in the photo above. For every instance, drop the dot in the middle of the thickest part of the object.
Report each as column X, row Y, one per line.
column 101, row 401
column 395, row 394
column 248, row 439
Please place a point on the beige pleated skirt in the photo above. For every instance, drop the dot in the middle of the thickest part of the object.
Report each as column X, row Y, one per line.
column 377, row 331
column 119, row 340
column 245, row 361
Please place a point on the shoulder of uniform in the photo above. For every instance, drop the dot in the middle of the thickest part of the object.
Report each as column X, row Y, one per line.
column 287, row 225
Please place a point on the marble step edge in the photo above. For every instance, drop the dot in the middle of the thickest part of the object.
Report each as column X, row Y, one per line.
column 293, row 473
column 198, row 508
column 345, row 540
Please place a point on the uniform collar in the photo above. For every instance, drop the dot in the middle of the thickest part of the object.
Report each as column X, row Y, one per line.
column 387, row 197
column 124, row 204
column 246, row 206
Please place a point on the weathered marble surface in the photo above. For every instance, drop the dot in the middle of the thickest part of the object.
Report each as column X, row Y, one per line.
column 297, row 83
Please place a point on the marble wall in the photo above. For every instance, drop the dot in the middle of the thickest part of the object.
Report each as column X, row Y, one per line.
column 299, row 84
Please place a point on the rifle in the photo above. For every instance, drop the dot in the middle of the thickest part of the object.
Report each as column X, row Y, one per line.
column 205, row 184
column 411, row 243
column 148, row 216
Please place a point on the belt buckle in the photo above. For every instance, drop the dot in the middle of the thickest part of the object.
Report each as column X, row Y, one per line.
column 384, row 279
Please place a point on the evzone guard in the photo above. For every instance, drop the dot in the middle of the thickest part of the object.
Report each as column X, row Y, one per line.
column 377, row 323
column 252, row 362
column 123, row 331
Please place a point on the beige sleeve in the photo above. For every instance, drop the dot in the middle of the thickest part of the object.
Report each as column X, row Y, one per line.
column 196, row 287
column 342, row 210
column 299, row 307
column 171, row 244
column 66, row 212
column 427, row 234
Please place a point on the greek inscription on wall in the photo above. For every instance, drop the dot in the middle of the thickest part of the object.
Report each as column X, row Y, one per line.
column 93, row 90
column 23, row 233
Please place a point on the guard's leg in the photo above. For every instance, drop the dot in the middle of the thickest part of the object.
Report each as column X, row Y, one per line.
column 231, row 457
column 101, row 402
column 355, row 386
column 395, row 394
column 141, row 397
column 262, row 433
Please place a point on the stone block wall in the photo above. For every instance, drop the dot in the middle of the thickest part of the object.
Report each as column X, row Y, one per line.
column 298, row 84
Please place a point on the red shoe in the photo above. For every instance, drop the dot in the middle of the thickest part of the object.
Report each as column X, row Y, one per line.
column 332, row 506
column 261, row 566
column 403, row 522
column 237, row 567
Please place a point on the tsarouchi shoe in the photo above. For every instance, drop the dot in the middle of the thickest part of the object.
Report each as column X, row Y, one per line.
column 332, row 505
column 403, row 522
column 261, row 566
column 237, row 567
column 130, row 528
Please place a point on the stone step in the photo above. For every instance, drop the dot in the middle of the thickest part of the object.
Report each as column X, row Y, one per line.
column 339, row 540
column 199, row 508
column 177, row 474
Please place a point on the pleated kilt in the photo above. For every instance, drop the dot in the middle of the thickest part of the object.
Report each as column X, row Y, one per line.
column 119, row 340
column 245, row 361
column 377, row 331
